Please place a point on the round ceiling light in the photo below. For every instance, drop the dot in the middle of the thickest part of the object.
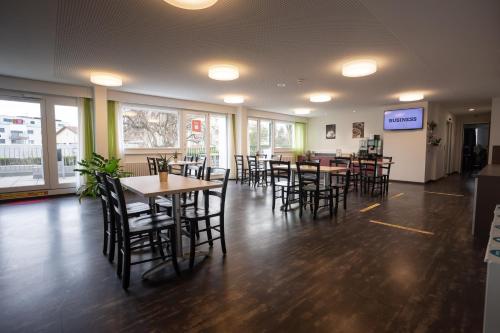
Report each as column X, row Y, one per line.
column 223, row 72
column 472, row 110
column 106, row 79
column 320, row 98
column 358, row 68
column 411, row 97
column 302, row 111
column 234, row 99
column 191, row 4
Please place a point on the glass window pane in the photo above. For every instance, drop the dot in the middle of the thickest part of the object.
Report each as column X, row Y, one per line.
column 252, row 136
column 21, row 154
column 284, row 135
column 218, row 141
column 67, row 140
column 195, row 135
column 266, row 127
column 145, row 127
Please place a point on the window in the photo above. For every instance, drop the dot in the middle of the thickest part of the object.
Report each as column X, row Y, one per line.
column 2, row 130
column 148, row 127
column 253, row 129
column 2, row 141
column 284, row 135
column 30, row 131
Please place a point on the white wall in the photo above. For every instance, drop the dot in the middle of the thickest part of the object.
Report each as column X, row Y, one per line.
column 408, row 148
column 494, row 125
column 316, row 133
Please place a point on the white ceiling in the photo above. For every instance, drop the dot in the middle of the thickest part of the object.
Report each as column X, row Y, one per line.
column 448, row 48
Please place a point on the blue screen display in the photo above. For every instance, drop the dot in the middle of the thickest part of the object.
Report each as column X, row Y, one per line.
column 404, row 119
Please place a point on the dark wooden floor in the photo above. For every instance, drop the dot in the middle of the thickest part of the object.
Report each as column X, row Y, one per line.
column 281, row 274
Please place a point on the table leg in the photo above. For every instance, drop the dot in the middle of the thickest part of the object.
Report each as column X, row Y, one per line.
column 152, row 204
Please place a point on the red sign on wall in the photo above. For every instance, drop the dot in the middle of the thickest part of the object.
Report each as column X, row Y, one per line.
column 196, row 125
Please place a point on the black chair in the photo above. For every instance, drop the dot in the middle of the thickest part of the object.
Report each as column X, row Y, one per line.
column 241, row 172
column 276, row 157
column 282, row 181
column 133, row 209
column 371, row 177
column 386, row 171
column 192, row 217
column 256, row 174
column 310, row 186
column 153, row 170
column 128, row 228
column 341, row 180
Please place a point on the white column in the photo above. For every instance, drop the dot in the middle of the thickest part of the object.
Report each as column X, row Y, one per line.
column 241, row 130
column 494, row 125
column 101, row 120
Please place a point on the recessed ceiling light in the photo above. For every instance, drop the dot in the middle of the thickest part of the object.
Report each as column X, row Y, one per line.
column 106, row 79
column 223, row 72
column 281, row 85
column 411, row 97
column 234, row 99
column 472, row 110
column 320, row 98
column 354, row 111
column 302, row 111
column 191, row 4
column 358, row 68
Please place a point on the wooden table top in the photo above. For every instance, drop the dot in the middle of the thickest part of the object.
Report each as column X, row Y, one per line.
column 378, row 162
column 322, row 168
column 150, row 186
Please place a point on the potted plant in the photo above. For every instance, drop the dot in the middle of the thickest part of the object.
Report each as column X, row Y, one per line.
column 175, row 155
column 162, row 163
column 97, row 163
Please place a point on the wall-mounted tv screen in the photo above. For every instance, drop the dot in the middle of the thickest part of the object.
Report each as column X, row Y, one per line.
column 404, row 119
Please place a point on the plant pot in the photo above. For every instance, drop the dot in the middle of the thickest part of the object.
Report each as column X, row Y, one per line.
column 163, row 176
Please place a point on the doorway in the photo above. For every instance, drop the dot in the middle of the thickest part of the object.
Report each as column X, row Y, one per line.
column 475, row 147
column 39, row 143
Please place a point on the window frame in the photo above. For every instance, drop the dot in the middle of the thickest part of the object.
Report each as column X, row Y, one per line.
column 283, row 149
column 274, row 149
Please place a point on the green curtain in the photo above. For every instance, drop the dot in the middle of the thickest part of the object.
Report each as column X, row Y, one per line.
column 112, row 129
column 300, row 139
column 88, row 129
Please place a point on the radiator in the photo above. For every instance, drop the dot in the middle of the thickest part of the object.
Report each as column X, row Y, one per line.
column 137, row 169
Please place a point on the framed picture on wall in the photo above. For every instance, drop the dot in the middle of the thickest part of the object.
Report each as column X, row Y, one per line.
column 331, row 132
column 358, row 130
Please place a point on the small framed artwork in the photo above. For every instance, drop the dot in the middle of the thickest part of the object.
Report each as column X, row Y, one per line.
column 358, row 130
column 331, row 131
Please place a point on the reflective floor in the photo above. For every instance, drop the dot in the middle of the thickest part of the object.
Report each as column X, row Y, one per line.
column 407, row 265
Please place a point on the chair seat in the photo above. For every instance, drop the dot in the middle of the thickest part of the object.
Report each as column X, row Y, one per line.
column 150, row 222
column 167, row 203
column 137, row 208
column 198, row 214
column 312, row 187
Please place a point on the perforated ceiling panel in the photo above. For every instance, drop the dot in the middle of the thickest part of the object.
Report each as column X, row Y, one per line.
column 160, row 49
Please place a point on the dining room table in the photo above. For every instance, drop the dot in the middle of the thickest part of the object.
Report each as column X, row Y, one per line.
column 151, row 188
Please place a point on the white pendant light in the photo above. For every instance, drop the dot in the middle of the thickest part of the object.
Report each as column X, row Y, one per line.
column 359, row 68
column 302, row 111
column 106, row 79
column 320, row 98
column 191, row 4
column 234, row 99
column 411, row 97
column 223, row 72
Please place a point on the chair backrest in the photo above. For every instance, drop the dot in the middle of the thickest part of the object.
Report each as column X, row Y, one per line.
column 280, row 170
column 252, row 163
column 152, row 166
column 103, row 195
column 188, row 158
column 118, row 206
column 341, row 162
column 368, row 167
column 308, row 172
column 221, row 194
column 386, row 165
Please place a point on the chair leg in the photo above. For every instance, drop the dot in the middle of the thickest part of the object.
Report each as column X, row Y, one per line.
column 126, row 270
column 192, row 243
column 316, row 204
column 222, row 234
column 330, row 202
column 209, row 232
column 119, row 266
column 337, row 200
column 173, row 246
column 274, row 196
column 301, row 204
column 105, row 239
column 112, row 243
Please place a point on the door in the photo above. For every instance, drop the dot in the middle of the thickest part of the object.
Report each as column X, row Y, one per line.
column 39, row 143
column 23, row 153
